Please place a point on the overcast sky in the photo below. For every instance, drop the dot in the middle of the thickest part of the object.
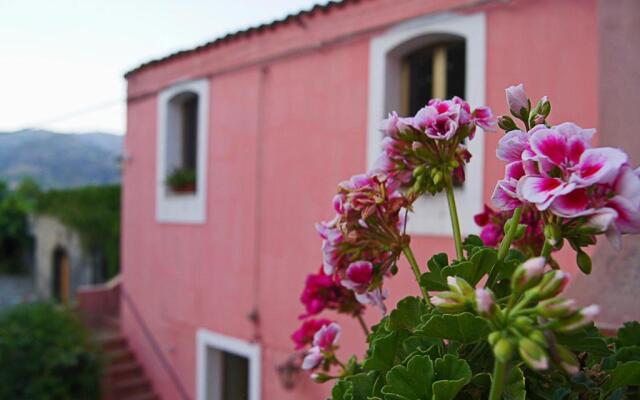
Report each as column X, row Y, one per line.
column 59, row 58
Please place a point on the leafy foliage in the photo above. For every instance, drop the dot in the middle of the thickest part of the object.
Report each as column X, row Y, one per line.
column 15, row 239
column 94, row 212
column 46, row 354
column 181, row 179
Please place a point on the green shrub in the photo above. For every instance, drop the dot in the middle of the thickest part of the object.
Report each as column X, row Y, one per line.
column 45, row 354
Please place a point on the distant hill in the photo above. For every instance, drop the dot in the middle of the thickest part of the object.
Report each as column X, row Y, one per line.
column 59, row 160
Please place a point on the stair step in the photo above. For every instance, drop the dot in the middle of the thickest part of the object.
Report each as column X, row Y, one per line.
column 125, row 370
column 121, row 357
column 113, row 342
column 133, row 386
column 145, row 396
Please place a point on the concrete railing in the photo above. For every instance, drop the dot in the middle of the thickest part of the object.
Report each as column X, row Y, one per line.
column 99, row 305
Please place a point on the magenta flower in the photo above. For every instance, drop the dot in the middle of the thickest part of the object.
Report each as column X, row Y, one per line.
column 324, row 344
column 359, row 275
column 303, row 336
column 492, row 223
column 323, row 291
column 375, row 297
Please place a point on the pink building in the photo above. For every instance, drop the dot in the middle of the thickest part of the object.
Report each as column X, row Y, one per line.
column 271, row 118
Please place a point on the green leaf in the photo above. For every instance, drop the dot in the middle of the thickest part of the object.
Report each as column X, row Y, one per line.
column 629, row 334
column 406, row 315
column 342, row 390
column 434, row 280
column 464, row 327
column 475, row 268
column 423, row 345
column 587, row 339
column 451, row 375
column 385, row 352
column 412, row 382
column 625, row 374
column 514, row 388
column 363, row 384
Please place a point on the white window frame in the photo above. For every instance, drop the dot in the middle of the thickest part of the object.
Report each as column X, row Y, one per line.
column 205, row 340
column 431, row 215
column 188, row 208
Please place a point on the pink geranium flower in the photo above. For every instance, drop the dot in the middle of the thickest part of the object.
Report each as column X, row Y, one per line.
column 303, row 336
column 324, row 343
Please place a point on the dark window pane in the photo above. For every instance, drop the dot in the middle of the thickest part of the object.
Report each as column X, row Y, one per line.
column 420, row 64
column 420, row 70
column 189, row 132
column 456, row 68
column 235, row 381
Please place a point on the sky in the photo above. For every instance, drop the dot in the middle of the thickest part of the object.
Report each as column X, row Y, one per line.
column 62, row 62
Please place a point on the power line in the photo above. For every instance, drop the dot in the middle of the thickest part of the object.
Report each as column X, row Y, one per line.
column 83, row 111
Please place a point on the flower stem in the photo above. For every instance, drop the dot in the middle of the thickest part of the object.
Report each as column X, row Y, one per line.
column 497, row 380
column 546, row 250
column 408, row 253
column 363, row 325
column 508, row 238
column 453, row 212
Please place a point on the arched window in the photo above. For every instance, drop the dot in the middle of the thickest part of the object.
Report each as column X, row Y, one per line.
column 437, row 56
column 182, row 151
column 182, row 143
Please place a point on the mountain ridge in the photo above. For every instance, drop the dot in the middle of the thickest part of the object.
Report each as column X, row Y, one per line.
column 60, row 160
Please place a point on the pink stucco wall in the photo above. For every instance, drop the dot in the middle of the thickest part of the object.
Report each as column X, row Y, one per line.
column 287, row 122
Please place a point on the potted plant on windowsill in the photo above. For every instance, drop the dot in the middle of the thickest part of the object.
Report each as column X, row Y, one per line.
column 182, row 180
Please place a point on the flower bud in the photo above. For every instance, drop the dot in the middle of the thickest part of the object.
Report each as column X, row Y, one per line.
column 545, row 106
column 506, row 122
column 553, row 283
column 556, row 308
column 518, row 101
column 584, row 262
column 494, row 337
column 566, row 359
column 450, row 302
column 538, row 337
column 524, row 324
column 503, row 350
column 419, row 170
column 553, row 234
column 582, row 318
column 533, row 354
column 528, row 274
column 460, row 286
column 485, row 303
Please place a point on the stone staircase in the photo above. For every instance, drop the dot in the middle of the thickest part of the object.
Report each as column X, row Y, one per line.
column 124, row 377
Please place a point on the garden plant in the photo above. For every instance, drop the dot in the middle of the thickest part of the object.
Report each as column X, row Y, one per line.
column 491, row 322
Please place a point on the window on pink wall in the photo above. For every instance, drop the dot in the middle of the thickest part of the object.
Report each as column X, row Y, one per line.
column 435, row 56
column 183, row 115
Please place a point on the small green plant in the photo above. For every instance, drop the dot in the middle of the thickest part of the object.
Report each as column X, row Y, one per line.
column 45, row 353
column 182, row 180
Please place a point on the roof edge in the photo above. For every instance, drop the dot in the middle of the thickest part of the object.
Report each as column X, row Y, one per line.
column 254, row 30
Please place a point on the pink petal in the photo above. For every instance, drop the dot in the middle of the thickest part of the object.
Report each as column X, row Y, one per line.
column 572, row 205
column 542, row 191
column 550, row 144
column 360, row 272
column 578, row 139
column 502, row 199
column 628, row 186
column 514, row 170
column 312, row 359
column 511, row 146
column 600, row 165
column 628, row 220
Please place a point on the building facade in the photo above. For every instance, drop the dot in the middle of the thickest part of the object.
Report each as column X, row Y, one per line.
column 260, row 126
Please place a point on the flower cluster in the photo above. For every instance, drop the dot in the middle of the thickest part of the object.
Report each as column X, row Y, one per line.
column 529, row 321
column 363, row 242
column 493, row 223
column 322, row 291
column 423, row 150
column 556, row 169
